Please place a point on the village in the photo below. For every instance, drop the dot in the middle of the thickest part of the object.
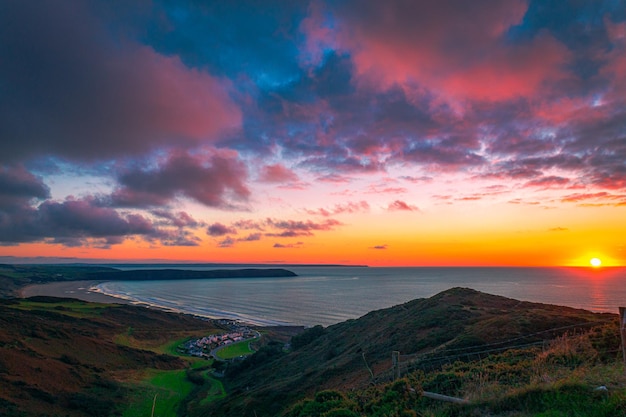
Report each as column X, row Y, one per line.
column 207, row 346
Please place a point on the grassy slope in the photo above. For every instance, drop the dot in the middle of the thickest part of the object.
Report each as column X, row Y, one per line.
column 560, row 379
column 60, row 358
column 337, row 358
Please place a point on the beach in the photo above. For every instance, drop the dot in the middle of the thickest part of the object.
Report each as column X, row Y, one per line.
column 71, row 289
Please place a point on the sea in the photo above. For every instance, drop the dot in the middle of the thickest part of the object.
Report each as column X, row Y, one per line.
column 327, row 295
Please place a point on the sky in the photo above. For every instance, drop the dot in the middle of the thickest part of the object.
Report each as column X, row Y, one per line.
column 385, row 133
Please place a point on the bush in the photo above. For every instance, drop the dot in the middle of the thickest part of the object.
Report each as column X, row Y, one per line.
column 195, row 377
column 90, row 404
column 306, row 337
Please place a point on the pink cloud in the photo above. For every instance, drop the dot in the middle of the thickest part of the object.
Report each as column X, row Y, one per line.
column 581, row 197
column 100, row 95
column 616, row 66
column 454, row 48
column 401, row 206
column 349, row 208
column 277, row 173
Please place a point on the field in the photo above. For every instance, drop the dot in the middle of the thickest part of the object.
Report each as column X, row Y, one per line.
column 235, row 350
column 164, row 389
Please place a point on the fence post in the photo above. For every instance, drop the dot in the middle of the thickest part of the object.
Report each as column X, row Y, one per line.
column 622, row 331
column 395, row 364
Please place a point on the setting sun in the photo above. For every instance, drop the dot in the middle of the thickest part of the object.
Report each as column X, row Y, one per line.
column 595, row 262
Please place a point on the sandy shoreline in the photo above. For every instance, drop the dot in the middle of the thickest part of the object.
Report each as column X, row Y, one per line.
column 71, row 289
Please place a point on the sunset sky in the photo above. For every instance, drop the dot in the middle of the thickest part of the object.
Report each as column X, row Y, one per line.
column 446, row 132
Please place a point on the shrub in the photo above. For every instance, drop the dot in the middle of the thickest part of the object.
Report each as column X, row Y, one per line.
column 306, row 337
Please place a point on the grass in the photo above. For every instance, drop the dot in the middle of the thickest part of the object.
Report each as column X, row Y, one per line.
column 215, row 392
column 170, row 388
column 235, row 350
column 557, row 380
column 78, row 309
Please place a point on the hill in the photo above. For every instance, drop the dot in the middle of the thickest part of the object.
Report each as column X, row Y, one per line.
column 356, row 353
column 510, row 358
column 73, row 358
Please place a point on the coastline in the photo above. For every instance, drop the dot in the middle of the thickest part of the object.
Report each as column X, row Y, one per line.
column 71, row 289
column 82, row 290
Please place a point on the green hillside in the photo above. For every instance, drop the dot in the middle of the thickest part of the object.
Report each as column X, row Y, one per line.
column 502, row 357
column 65, row 357
column 453, row 326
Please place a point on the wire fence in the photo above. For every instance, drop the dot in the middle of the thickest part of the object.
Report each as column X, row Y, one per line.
column 405, row 363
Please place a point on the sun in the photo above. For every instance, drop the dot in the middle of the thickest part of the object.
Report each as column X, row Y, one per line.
column 595, row 262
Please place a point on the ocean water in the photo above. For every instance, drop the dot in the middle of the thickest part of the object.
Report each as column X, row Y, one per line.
column 328, row 295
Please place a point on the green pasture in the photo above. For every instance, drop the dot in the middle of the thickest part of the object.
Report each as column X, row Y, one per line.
column 235, row 350
column 169, row 387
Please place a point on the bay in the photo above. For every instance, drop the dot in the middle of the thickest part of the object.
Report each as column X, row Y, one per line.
column 328, row 295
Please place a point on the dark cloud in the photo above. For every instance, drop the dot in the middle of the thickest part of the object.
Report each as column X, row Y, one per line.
column 380, row 247
column 178, row 219
column 180, row 237
column 552, row 181
column 174, row 228
column 249, row 225
column 85, row 222
column 292, row 228
column 74, row 87
column 226, row 242
column 215, row 180
column 218, row 229
column 288, row 245
column 269, row 228
column 74, row 222
column 252, row 237
column 18, row 187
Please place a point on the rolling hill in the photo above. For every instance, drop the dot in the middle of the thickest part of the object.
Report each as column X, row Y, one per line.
column 73, row 358
column 356, row 353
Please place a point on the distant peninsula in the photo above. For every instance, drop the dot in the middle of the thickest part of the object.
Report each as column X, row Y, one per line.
column 15, row 277
column 176, row 274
